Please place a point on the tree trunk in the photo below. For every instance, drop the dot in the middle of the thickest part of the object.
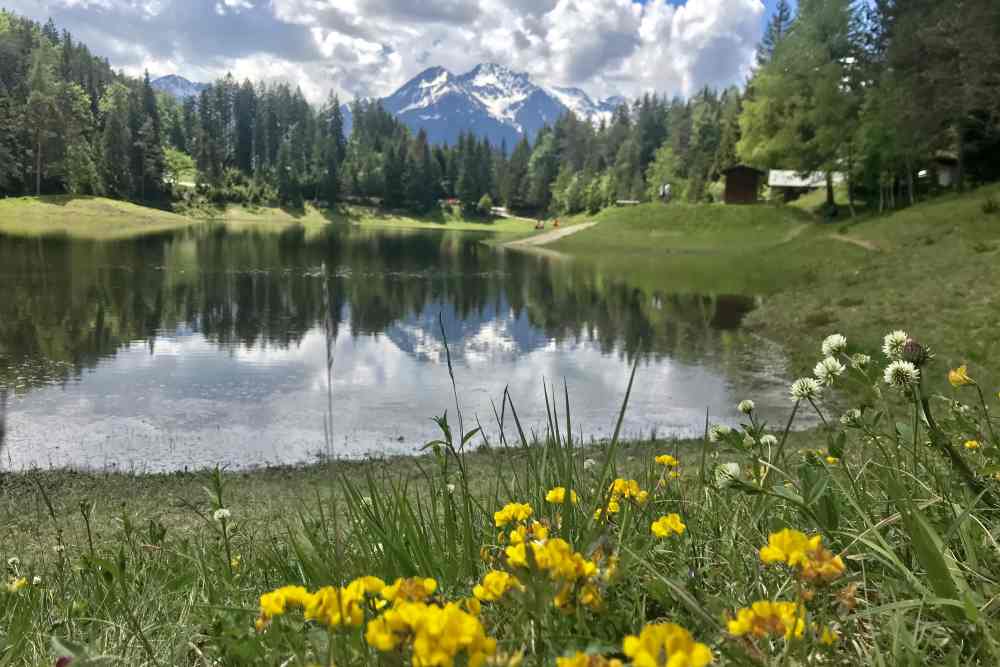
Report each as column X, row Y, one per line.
column 38, row 168
column 829, row 190
column 960, row 167
column 909, row 184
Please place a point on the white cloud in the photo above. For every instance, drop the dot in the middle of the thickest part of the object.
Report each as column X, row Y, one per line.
column 370, row 47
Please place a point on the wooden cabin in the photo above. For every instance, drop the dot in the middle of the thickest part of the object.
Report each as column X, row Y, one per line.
column 742, row 184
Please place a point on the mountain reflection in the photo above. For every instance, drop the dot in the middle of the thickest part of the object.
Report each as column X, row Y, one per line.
column 69, row 304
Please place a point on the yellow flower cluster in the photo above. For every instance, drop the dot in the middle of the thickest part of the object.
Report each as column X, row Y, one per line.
column 436, row 635
column 666, row 645
column 495, row 584
column 668, row 525
column 16, row 584
column 764, row 618
column 416, row 589
column 798, row 550
column 523, row 532
column 667, row 460
column 972, row 445
column 621, row 489
column 959, row 377
column 557, row 496
column 576, row 575
column 512, row 512
column 587, row 660
column 330, row 605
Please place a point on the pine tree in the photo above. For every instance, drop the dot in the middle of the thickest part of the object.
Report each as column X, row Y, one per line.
column 116, row 141
column 776, row 30
column 41, row 111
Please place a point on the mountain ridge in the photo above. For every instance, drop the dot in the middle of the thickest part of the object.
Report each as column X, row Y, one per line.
column 490, row 100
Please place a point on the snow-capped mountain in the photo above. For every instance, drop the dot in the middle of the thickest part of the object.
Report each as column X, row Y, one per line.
column 491, row 101
column 178, row 86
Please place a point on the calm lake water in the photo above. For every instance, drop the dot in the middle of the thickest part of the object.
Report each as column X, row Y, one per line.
column 208, row 346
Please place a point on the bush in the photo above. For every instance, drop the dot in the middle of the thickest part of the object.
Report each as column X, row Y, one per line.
column 990, row 206
column 485, row 205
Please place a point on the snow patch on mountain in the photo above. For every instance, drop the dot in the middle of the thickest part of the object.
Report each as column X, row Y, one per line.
column 490, row 100
column 178, row 86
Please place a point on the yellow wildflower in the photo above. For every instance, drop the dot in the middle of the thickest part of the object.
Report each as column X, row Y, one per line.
column 829, row 636
column 973, row 444
column 333, row 606
column 412, row 590
column 535, row 531
column 667, row 460
column 668, row 525
column 436, row 635
column 832, row 460
column 512, row 512
column 959, row 377
column 495, row 584
column 16, row 584
column 557, row 496
column 666, row 645
column 797, row 550
column 279, row 600
column 587, row 660
column 763, row 618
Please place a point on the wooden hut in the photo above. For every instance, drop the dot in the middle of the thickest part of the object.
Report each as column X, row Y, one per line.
column 742, row 184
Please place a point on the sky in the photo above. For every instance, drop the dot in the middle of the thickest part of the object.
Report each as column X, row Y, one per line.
column 371, row 47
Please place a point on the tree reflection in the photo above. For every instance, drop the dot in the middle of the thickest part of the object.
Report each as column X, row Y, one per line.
column 67, row 304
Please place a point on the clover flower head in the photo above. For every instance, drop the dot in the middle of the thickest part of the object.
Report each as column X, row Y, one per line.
column 589, row 463
column 805, row 389
column 834, row 344
column 36, row 581
column 746, row 407
column 893, row 344
column 901, row 374
column 727, row 474
column 851, row 418
column 769, row 440
column 718, row 432
column 860, row 361
column 221, row 514
column 828, row 370
column 450, row 488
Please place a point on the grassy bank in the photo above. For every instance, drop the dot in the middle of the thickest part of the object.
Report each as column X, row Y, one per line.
column 84, row 217
column 106, row 219
column 933, row 268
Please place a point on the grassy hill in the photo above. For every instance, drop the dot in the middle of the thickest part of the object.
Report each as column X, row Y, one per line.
column 933, row 269
column 84, row 217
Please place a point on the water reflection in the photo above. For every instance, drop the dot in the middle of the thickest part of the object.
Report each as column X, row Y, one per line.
column 204, row 346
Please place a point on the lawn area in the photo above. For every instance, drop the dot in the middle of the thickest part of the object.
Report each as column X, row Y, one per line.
column 84, row 217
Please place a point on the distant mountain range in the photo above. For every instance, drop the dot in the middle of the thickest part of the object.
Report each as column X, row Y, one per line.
column 178, row 86
column 490, row 101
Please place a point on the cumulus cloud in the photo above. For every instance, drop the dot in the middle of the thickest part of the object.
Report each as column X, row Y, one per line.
column 370, row 47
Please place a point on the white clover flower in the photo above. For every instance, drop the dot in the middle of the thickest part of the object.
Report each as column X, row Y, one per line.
column 450, row 488
column 718, row 432
column 221, row 513
column 901, row 374
column 13, row 562
column 828, row 370
column 805, row 389
column 589, row 463
column 769, row 440
column 834, row 345
column 746, row 407
column 726, row 474
column 893, row 343
column 860, row 361
column 36, row 581
column 851, row 418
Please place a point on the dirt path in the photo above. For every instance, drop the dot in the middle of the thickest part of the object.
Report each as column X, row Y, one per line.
column 550, row 237
column 861, row 243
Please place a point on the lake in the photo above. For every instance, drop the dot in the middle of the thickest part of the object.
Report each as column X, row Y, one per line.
column 209, row 346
